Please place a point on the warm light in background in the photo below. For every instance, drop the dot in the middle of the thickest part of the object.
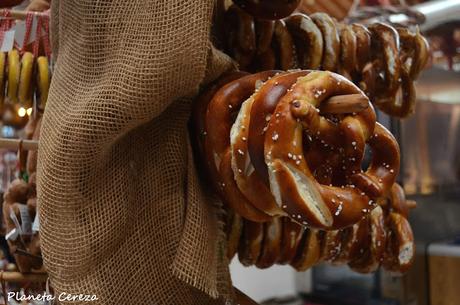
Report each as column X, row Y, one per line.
column 22, row 112
column 29, row 111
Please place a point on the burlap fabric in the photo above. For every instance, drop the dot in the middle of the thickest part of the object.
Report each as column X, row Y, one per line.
column 122, row 213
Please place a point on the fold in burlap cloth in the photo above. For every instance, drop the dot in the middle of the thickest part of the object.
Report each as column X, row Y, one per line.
column 122, row 213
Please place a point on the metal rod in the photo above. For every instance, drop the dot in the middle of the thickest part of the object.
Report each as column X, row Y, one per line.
column 18, row 277
column 14, row 144
column 21, row 15
column 435, row 13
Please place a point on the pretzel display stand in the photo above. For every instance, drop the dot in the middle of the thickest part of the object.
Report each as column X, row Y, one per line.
column 122, row 208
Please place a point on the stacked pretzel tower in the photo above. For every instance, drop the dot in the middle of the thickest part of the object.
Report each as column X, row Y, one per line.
column 284, row 142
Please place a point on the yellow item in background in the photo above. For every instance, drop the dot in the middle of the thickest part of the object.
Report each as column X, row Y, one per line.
column 2, row 80
column 13, row 75
column 43, row 79
column 25, row 80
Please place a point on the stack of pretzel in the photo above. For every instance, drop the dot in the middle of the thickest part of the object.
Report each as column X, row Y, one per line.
column 20, row 217
column 383, row 60
column 291, row 144
column 383, row 238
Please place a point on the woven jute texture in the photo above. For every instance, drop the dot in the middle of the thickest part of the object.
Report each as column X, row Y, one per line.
column 122, row 212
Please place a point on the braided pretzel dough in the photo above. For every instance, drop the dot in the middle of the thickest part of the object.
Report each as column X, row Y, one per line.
column 372, row 248
column 268, row 9
column 363, row 45
column 291, row 181
column 241, row 35
column 283, row 45
column 271, row 247
column 309, row 252
column 385, row 40
column 262, row 109
column 247, row 179
column 234, row 229
column 331, row 50
column 264, row 33
column 198, row 118
column 308, row 41
column 414, row 51
column 348, row 50
column 250, row 243
column 400, row 248
column 226, row 101
column 290, row 242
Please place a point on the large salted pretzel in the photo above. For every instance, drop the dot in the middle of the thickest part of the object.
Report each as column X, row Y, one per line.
column 291, row 181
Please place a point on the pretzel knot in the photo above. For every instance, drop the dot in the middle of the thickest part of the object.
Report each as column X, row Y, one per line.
column 292, row 182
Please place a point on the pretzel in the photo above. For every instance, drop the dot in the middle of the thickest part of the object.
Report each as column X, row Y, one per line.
column 400, row 251
column 308, row 41
column 348, row 240
column 251, row 242
column 348, row 49
column 331, row 245
column 414, row 51
column 331, row 45
column 17, row 191
column 291, row 181
column 268, row 9
column 372, row 249
column 290, row 242
column 234, row 229
column 241, row 36
column 224, row 103
column 309, row 252
column 264, row 32
column 400, row 248
column 198, row 120
column 363, row 45
column 283, row 46
column 271, row 247
column 385, row 48
column 264, row 61
column 247, row 179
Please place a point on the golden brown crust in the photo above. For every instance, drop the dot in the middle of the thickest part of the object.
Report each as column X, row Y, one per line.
column 400, row 249
column 234, row 230
column 309, row 251
column 331, row 46
column 241, row 36
column 290, row 242
column 264, row 32
column 247, row 179
column 225, row 102
column 363, row 45
column 308, row 41
column 198, row 120
column 291, row 181
column 262, row 109
column 284, row 46
column 251, row 242
column 271, row 246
